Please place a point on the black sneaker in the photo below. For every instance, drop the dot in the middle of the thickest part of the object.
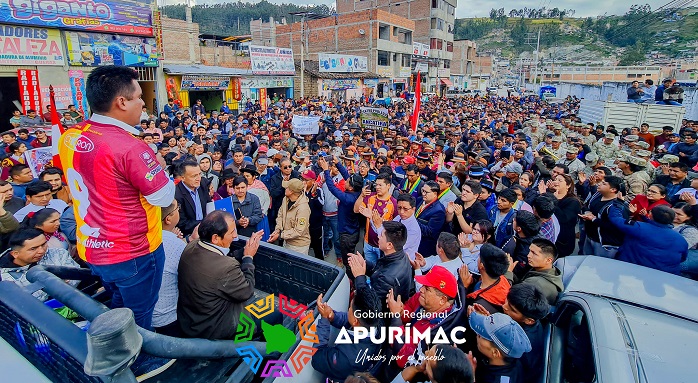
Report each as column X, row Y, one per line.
column 148, row 366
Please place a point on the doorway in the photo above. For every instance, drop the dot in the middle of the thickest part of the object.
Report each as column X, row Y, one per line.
column 9, row 94
column 210, row 99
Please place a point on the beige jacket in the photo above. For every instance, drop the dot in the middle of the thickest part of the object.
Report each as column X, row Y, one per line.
column 294, row 222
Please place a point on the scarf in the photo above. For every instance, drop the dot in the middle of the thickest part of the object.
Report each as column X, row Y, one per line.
column 55, row 234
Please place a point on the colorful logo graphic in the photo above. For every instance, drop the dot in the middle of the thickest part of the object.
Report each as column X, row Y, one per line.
column 278, row 337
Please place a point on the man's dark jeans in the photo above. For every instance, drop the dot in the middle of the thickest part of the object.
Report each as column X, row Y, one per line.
column 135, row 284
column 347, row 244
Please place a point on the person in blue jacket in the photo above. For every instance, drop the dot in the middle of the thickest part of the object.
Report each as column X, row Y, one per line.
column 347, row 220
column 502, row 216
column 652, row 244
column 431, row 216
column 338, row 361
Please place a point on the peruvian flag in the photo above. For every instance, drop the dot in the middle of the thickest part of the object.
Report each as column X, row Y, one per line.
column 56, row 130
column 414, row 119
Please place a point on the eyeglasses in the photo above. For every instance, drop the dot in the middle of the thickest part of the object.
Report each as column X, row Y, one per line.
column 380, row 162
column 286, row 167
column 404, row 208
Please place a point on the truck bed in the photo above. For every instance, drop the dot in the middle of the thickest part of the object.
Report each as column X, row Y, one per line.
column 58, row 348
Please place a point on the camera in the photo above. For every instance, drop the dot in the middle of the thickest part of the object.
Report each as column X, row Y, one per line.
column 371, row 185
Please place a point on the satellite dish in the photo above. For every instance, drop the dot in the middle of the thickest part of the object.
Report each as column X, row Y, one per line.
column 362, row 32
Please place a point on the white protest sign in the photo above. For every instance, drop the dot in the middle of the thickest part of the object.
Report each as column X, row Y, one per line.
column 305, row 124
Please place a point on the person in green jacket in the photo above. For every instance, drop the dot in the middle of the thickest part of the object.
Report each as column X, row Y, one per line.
column 546, row 277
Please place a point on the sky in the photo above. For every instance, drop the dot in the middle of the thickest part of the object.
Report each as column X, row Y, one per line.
column 480, row 8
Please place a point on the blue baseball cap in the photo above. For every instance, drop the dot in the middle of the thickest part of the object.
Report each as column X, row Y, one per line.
column 503, row 331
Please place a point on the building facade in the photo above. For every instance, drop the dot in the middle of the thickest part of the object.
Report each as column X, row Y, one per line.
column 433, row 27
column 599, row 75
column 463, row 63
column 42, row 51
column 384, row 39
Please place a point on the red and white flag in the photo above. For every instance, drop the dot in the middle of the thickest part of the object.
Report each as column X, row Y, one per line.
column 414, row 119
column 56, row 130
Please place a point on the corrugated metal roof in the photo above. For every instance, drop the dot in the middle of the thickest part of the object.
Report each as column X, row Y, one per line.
column 204, row 70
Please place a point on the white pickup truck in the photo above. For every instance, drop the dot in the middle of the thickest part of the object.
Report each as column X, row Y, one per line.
column 629, row 114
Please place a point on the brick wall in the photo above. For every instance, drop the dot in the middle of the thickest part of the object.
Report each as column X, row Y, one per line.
column 463, row 54
column 341, row 34
column 175, row 40
column 311, row 85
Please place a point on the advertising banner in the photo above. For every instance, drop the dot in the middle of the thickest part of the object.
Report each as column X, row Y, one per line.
column 77, row 87
column 340, row 84
column 62, row 93
column 104, row 16
column 272, row 60
column 29, row 91
column 342, row 63
column 263, row 98
column 157, row 28
column 305, row 124
column 374, row 117
column 97, row 49
column 205, row 83
column 267, row 82
column 30, row 46
column 419, row 49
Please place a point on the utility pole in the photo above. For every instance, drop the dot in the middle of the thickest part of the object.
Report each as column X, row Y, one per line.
column 302, row 59
column 529, row 41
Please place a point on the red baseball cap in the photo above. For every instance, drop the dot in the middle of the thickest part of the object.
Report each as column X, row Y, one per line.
column 441, row 279
column 309, row 175
column 409, row 160
column 263, row 149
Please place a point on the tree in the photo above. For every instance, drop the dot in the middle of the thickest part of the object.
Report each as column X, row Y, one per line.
column 633, row 55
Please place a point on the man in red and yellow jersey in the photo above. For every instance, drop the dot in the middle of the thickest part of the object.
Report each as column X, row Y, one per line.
column 118, row 187
column 380, row 201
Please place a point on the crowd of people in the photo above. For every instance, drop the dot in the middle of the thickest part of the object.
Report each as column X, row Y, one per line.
column 460, row 217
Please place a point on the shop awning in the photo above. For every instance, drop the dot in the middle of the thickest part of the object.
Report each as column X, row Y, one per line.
column 205, row 70
column 446, row 82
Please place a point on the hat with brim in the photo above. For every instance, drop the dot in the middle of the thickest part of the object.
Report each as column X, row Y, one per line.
column 503, row 331
column 423, row 156
column 249, row 168
column 668, row 159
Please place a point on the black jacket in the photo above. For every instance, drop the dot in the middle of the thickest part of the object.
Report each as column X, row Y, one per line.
column 212, row 290
column 187, row 214
column 277, row 192
column 390, row 272
column 431, row 221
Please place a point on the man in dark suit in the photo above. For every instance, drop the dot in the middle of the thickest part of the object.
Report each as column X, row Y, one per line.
column 192, row 194
column 431, row 216
column 276, row 191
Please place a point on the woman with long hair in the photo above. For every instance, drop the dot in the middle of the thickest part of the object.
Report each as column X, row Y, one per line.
column 566, row 212
column 683, row 224
column 641, row 205
column 470, row 244
column 16, row 157
column 48, row 221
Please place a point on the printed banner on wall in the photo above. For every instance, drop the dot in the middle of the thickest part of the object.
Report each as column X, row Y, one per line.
column 374, row 117
column 29, row 91
column 263, row 98
column 267, row 82
column 340, row 84
column 124, row 17
column 77, row 87
column 96, row 49
column 272, row 60
column 30, row 46
column 305, row 124
column 205, row 82
column 62, row 93
column 342, row 63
